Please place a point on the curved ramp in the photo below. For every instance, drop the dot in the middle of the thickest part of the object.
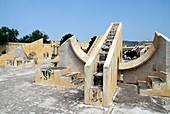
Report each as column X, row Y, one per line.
column 71, row 55
column 144, row 58
column 77, row 50
column 94, row 45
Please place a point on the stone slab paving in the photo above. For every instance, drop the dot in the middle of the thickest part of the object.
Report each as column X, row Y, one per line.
column 19, row 95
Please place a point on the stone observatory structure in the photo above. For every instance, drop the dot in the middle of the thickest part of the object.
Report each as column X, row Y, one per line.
column 20, row 59
column 69, row 70
column 101, row 68
column 71, row 55
column 151, row 71
column 36, row 47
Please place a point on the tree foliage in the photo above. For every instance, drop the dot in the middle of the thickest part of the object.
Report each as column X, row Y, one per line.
column 8, row 35
column 3, row 52
column 35, row 35
column 91, row 42
column 65, row 37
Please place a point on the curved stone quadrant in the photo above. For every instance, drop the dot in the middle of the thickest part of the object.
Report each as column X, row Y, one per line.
column 71, row 55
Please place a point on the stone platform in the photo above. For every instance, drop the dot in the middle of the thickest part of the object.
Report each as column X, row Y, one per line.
column 19, row 95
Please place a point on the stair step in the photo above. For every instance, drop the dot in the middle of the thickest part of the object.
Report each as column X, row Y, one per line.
column 155, row 79
column 98, row 79
column 111, row 34
column 70, row 74
column 100, row 62
column 110, row 37
column 113, row 31
column 96, row 88
column 103, row 53
column 107, row 43
column 103, row 56
column 77, row 81
column 57, row 68
column 96, row 93
column 105, row 48
column 100, row 66
column 98, row 74
column 143, row 85
column 109, row 40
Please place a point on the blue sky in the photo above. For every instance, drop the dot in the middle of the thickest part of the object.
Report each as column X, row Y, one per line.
column 86, row 18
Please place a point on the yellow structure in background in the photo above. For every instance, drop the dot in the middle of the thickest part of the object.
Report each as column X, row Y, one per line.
column 53, row 46
column 35, row 47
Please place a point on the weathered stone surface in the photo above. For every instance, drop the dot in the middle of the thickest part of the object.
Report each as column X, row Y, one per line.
column 104, row 60
column 19, row 53
column 158, row 62
column 20, row 95
column 71, row 55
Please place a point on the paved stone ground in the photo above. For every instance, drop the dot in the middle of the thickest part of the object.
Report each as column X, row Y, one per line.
column 128, row 97
column 19, row 95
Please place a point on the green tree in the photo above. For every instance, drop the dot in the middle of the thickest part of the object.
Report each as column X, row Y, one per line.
column 8, row 35
column 35, row 35
column 3, row 52
column 91, row 42
column 65, row 37
column 25, row 39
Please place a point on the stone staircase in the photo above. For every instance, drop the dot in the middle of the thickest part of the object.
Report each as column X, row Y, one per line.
column 97, row 88
column 72, row 79
column 153, row 86
column 59, row 76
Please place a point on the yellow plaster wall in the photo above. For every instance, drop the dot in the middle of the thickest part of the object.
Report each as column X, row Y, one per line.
column 7, row 56
column 36, row 47
column 47, row 49
column 11, row 46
